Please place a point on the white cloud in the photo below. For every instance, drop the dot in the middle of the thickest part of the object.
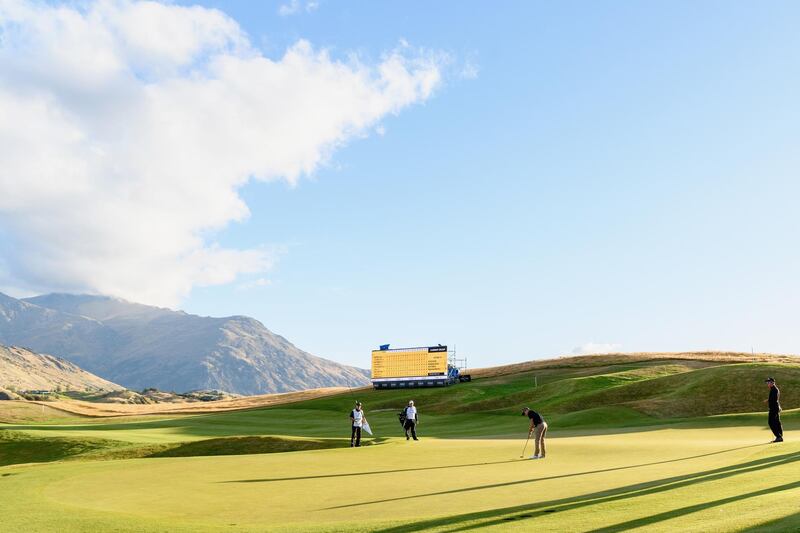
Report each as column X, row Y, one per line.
column 596, row 348
column 258, row 283
column 296, row 6
column 127, row 128
column 469, row 71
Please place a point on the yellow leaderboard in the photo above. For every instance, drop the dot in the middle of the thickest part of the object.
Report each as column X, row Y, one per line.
column 410, row 365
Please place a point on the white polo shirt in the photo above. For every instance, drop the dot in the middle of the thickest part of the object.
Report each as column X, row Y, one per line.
column 411, row 412
column 358, row 418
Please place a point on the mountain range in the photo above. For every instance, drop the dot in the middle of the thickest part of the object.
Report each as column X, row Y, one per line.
column 140, row 346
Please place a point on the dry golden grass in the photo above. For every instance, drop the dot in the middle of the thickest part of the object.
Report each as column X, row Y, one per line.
column 247, row 402
column 579, row 361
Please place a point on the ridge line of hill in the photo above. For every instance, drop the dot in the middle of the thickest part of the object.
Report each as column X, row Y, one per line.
column 23, row 369
column 631, row 357
column 141, row 346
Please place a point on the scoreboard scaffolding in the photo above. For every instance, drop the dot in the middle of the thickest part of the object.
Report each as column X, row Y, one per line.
column 426, row 366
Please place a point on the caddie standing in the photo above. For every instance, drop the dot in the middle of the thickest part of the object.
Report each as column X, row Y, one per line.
column 411, row 420
column 357, row 421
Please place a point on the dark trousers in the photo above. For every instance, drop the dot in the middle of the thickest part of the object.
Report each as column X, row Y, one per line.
column 775, row 424
column 411, row 425
column 355, row 436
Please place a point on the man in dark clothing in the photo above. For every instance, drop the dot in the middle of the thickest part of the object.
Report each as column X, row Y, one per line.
column 539, row 430
column 774, row 403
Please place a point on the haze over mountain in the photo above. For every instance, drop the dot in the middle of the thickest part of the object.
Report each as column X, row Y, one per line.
column 22, row 369
column 141, row 346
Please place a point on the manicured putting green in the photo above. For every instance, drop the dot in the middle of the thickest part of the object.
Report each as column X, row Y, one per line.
column 665, row 479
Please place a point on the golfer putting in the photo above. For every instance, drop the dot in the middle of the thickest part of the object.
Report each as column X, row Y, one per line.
column 538, row 429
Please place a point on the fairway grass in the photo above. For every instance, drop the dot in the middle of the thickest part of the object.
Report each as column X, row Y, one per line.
column 721, row 479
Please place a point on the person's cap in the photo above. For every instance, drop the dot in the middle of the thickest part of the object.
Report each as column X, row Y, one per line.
column 769, row 380
column 410, row 402
column 358, row 403
column 524, row 410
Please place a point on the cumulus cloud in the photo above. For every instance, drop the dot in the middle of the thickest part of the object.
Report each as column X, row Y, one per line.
column 596, row 348
column 127, row 129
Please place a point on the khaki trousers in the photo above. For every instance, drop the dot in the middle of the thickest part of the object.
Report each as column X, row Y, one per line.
column 539, row 432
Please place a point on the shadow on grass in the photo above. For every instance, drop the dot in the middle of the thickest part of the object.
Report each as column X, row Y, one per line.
column 374, row 472
column 785, row 523
column 524, row 481
column 17, row 448
column 681, row 511
column 505, row 515
column 247, row 446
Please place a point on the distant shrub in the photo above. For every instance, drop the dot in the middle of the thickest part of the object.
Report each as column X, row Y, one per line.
column 37, row 397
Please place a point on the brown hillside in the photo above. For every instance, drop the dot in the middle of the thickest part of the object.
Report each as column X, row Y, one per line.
column 22, row 369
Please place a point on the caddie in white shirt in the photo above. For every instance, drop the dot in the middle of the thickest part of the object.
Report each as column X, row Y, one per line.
column 411, row 420
column 357, row 420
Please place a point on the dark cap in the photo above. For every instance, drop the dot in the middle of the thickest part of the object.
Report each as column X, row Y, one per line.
column 525, row 409
column 769, row 380
column 358, row 403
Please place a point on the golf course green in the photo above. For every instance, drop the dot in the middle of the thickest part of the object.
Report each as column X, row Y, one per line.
column 661, row 445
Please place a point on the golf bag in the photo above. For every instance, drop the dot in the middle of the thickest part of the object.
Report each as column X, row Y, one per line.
column 402, row 418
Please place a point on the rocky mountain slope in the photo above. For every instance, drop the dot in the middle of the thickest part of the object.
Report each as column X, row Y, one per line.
column 140, row 346
column 21, row 369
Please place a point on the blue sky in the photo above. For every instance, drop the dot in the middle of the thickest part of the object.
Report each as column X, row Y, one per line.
column 618, row 173
column 614, row 175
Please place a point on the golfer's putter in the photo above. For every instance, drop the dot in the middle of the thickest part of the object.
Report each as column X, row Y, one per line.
column 526, row 445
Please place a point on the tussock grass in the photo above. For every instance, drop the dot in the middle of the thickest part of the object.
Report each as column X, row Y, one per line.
column 583, row 361
column 15, row 412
